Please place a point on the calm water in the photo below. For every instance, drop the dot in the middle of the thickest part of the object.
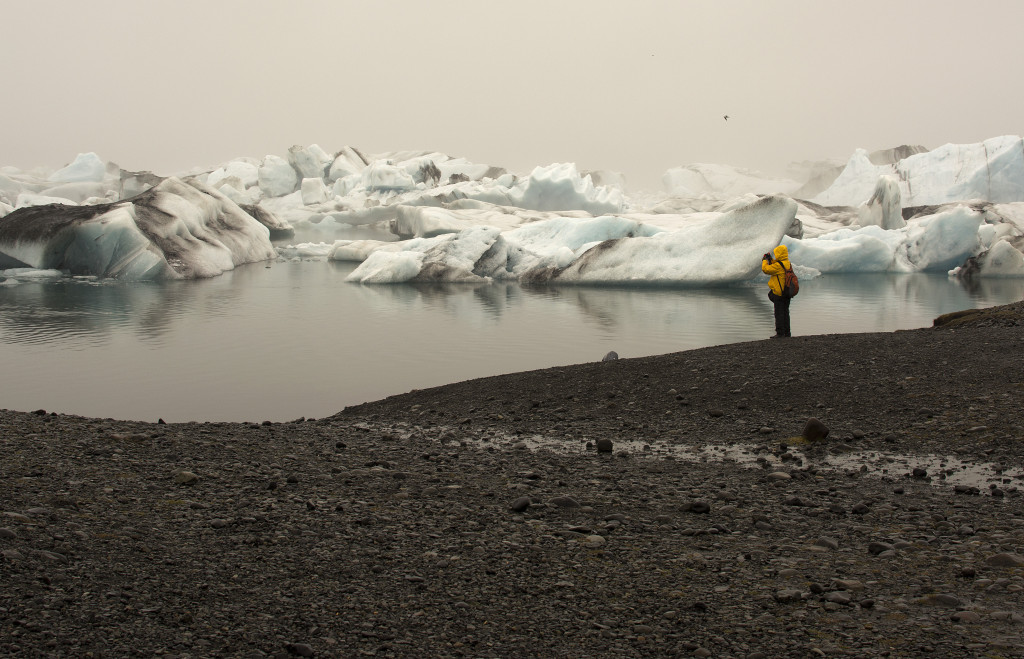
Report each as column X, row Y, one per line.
column 294, row 339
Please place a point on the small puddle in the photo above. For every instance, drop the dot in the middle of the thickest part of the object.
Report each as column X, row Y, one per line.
column 938, row 469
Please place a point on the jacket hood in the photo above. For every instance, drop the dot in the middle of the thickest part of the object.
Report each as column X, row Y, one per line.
column 781, row 253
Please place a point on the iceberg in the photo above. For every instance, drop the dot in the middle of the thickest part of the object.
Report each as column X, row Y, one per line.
column 277, row 177
column 86, row 168
column 722, row 182
column 929, row 243
column 992, row 170
column 883, row 209
column 957, row 207
column 719, row 249
column 178, row 230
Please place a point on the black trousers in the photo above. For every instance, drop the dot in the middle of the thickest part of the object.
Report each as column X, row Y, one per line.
column 781, row 314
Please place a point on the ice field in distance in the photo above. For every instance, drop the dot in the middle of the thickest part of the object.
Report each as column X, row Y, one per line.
column 955, row 208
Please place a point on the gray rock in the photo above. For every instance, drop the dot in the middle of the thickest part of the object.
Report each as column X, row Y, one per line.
column 182, row 477
column 965, row 616
column 611, row 356
column 828, row 543
column 299, row 649
column 788, row 595
column 1005, row 560
column 838, row 597
column 520, row 504
column 564, row 502
column 877, row 548
column 940, row 599
column 814, row 430
column 698, row 507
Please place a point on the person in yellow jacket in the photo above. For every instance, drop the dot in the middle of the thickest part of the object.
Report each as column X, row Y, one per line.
column 775, row 265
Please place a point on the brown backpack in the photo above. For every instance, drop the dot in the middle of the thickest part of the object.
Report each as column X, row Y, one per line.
column 790, row 284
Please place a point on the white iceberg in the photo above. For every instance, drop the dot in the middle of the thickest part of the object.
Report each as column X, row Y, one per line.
column 718, row 249
column 930, row 243
column 992, row 170
column 86, row 168
column 277, row 177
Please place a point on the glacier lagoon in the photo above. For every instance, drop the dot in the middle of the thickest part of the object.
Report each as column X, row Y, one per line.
column 291, row 338
column 293, row 286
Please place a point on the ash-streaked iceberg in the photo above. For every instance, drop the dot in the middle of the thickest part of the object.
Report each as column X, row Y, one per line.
column 718, row 249
column 177, row 229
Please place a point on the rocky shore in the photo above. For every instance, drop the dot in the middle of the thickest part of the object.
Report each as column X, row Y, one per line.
column 480, row 519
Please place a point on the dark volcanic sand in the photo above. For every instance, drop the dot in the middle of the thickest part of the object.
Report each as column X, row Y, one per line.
column 387, row 529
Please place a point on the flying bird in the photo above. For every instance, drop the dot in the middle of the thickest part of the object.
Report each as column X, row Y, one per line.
column 726, row 117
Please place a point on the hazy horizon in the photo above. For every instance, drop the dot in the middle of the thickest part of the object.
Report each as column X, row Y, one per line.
column 636, row 89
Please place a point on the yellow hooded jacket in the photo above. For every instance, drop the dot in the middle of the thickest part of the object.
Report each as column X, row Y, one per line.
column 777, row 269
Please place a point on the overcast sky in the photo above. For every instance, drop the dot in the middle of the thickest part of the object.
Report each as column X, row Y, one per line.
column 635, row 87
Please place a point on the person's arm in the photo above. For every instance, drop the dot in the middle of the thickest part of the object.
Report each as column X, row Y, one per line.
column 770, row 266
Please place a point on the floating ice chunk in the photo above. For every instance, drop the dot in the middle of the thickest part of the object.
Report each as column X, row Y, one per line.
column 992, row 170
column 306, row 250
column 310, row 161
column 427, row 221
column 550, row 236
column 446, row 258
column 931, row 243
column 85, row 167
column 246, row 173
column 381, row 175
column 313, row 191
column 31, row 273
column 989, row 234
column 883, row 209
column 79, row 192
column 9, row 190
column 134, row 183
column 560, row 187
column 1001, row 260
column 277, row 177
column 177, row 230
column 345, row 184
column 942, row 241
column 870, row 249
column 605, row 178
column 348, row 162
column 245, row 197
column 28, row 199
column 855, row 184
column 721, row 182
column 388, row 268
column 360, row 250
column 723, row 248
column 719, row 250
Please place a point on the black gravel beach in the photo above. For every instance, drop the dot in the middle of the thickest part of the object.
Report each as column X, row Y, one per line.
column 678, row 505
